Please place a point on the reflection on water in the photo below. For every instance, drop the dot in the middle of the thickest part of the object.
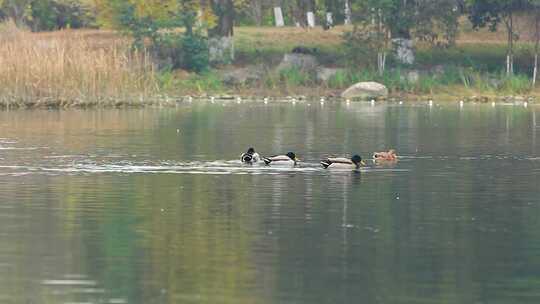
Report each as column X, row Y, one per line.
column 153, row 205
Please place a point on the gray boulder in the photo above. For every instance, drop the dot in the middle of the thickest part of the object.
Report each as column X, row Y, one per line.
column 303, row 62
column 221, row 49
column 404, row 49
column 366, row 90
column 438, row 70
column 324, row 74
column 413, row 76
column 243, row 75
column 410, row 76
column 495, row 83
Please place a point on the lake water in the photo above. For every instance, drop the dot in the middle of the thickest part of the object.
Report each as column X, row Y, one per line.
column 153, row 205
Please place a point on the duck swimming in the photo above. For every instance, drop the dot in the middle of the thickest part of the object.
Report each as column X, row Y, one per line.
column 250, row 156
column 388, row 156
column 343, row 163
column 288, row 159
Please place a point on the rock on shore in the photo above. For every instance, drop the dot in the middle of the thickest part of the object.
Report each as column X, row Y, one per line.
column 366, row 90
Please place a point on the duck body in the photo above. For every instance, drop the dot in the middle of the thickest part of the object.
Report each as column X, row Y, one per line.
column 250, row 157
column 343, row 163
column 288, row 159
column 385, row 156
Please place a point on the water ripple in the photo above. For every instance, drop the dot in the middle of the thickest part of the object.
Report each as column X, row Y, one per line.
column 167, row 167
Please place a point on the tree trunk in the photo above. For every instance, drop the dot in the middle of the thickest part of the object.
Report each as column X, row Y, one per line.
column 224, row 10
column 310, row 15
column 17, row 12
column 381, row 62
column 303, row 7
column 536, row 44
column 278, row 16
column 257, row 11
column 510, row 52
column 329, row 20
column 382, row 43
column 348, row 13
column 220, row 42
column 535, row 73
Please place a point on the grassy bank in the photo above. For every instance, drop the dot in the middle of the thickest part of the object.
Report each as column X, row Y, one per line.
column 70, row 68
column 91, row 67
column 473, row 67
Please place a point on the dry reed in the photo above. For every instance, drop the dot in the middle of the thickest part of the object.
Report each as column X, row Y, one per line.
column 68, row 69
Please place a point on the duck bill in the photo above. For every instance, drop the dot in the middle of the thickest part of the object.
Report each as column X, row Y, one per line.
column 363, row 163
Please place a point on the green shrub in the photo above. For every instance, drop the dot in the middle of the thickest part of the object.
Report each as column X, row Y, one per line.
column 47, row 15
column 449, row 76
column 294, row 77
column 516, row 84
column 189, row 52
column 339, row 80
column 356, row 50
column 202, row 83
column 426, row 84
column 195, row 55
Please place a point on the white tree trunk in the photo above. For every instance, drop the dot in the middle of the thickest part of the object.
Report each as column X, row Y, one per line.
column 535, row 73
column 329, row 19
column 278, row 15
column 311, row 19
column 381, row 62
column 384, row 62
column 348, row 19
column 509, row 65
column 512, row 64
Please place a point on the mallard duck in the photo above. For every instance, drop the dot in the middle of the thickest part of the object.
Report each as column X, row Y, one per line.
column 343, row 163
column 388, row 156
column 250, row 156
column 288, row 159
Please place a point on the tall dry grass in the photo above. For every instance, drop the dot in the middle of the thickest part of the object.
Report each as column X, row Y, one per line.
column 68, row 68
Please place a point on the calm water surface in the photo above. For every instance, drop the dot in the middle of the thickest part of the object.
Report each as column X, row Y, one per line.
column 152, row 206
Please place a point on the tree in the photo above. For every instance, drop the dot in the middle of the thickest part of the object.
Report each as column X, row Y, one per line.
column 491, row 13
column 330, row 12
column 143, row 18
column 16, row 10
column 373, row 27
column 385, row 22
column 57, row 14
column 147, row 19
column 536, row 8
column 254, row 10
column 42, row 15
column 221, row 41
column 438, row 21
column 152, row 24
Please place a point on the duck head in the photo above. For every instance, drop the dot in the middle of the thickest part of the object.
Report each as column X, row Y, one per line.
column 357, row 160
column 292, row 156
column 248, row 156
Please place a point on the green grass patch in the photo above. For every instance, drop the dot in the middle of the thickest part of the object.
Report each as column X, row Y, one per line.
column 206, row 82
column 294, row 77
column 517, row 84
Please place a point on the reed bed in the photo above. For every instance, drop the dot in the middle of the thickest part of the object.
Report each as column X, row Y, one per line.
column 69, row 69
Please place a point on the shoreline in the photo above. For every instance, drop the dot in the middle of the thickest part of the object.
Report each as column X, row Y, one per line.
column 244, row 96
column 97, row 69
